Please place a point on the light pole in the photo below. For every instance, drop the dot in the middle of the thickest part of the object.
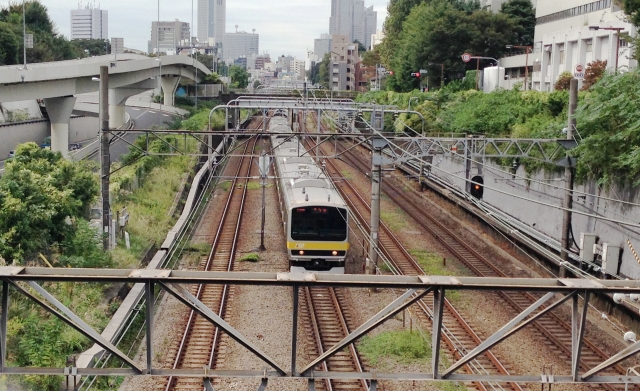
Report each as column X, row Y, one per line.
column 160, row 83
column 526, row 61
column 617, row 30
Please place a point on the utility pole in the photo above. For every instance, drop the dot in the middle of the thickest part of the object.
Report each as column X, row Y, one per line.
column 568, row 175
column 104, row 154
column 376, row 179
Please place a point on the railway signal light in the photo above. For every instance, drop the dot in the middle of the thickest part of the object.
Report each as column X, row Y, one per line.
column 477, row 186
column 415, row 74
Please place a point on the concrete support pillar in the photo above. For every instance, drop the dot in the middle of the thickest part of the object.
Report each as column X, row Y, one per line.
column 117, row 114
column 59, row 110
column 169, row 85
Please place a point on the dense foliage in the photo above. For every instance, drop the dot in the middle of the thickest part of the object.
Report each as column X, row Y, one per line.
column 42, row 198
column 609, row 126
column 239, row 76
column 423, row 35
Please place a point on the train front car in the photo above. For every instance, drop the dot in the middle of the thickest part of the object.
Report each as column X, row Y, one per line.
column 315, row 216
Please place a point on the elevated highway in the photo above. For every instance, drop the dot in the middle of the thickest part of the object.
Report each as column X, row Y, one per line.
column 58, row 83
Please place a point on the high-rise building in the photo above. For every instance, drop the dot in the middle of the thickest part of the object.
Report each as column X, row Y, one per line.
column 89, row 23
column 298, row 67
column 370, row 26
column 351, row 18
column 240, row 44
column 166, row 36
column 322, row 45
column 212, row 17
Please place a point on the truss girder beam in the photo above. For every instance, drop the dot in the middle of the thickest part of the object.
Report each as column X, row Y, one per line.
column 26, row 281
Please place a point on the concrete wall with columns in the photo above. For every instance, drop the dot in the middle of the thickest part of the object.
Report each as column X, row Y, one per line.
column 81, row 129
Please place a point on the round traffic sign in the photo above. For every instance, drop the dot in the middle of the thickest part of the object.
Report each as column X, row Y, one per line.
column 466, row 57
column 579, row 68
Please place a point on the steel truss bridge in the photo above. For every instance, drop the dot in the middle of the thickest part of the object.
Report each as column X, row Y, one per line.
column 400, row 149
column 32, row 283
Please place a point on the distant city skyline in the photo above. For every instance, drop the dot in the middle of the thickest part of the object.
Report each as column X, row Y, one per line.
column 285, row 26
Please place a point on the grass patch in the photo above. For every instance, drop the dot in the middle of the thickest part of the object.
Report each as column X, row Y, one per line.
column 226, row 185
column 401, row 346
column 432, row 265
column 253, row 185
column 346, row 174
column 395, row 220
column 252, row 257
column 198, row 248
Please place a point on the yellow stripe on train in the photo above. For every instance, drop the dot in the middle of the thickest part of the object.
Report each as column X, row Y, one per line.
column 338, row 246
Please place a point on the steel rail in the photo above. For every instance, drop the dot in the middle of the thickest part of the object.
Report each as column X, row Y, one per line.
column 200, row 290
column 450, row 240
column 456, row 347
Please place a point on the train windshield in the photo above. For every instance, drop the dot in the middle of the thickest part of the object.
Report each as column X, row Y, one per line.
column 319, row 223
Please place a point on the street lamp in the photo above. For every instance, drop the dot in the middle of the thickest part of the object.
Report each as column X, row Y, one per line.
column 526, row 61
column 160, row 82
column 617, row 30
column 441, row 72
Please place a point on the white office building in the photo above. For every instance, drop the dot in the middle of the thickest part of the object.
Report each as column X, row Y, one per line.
column 571, row 34
column 297, row 67
column 212, row 18
column 240, row 44
column 89, row 23
column 167, row 36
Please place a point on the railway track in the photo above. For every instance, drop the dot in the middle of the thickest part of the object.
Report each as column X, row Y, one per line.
column 556, row 332
column 457, row 335
column 200, row 344
column 328, row 322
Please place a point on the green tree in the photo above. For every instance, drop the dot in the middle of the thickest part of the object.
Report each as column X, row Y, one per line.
column 239, row 76
column 361, row 47
column 632, row 9
column 524, row 16
column 564, row 81
column 371, row 58
column 323, row 71
column 438, row 32
column 91, row 47
column 211, row 78
column 205, row 59
column 41, row 195
column 9, row 45
column 398, row 11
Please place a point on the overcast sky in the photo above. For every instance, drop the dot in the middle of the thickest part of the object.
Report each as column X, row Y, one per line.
column 285, row 26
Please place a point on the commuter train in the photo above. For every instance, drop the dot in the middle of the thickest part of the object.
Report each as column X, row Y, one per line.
column 315, row 217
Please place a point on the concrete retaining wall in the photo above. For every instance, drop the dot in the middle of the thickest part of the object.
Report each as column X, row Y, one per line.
column 545, row 187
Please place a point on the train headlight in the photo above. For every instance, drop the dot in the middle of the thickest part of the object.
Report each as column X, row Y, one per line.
column 334, row 253
column 301, row 252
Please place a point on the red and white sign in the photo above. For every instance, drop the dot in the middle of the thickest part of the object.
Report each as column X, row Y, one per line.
column 578, row 72
column 466, row 57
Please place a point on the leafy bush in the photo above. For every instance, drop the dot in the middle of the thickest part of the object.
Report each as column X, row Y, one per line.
column 594, row 72
column 253, row 257
column 564, row 81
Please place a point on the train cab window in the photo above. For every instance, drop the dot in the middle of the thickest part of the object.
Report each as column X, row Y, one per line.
column 319, row 223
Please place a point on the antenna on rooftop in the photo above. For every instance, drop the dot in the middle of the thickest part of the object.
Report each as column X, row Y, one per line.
column 236, row 28
column 254, row 30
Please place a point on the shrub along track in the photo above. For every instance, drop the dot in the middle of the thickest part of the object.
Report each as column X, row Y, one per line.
column 200, row 342
column 457, row 335
column 555, row 331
